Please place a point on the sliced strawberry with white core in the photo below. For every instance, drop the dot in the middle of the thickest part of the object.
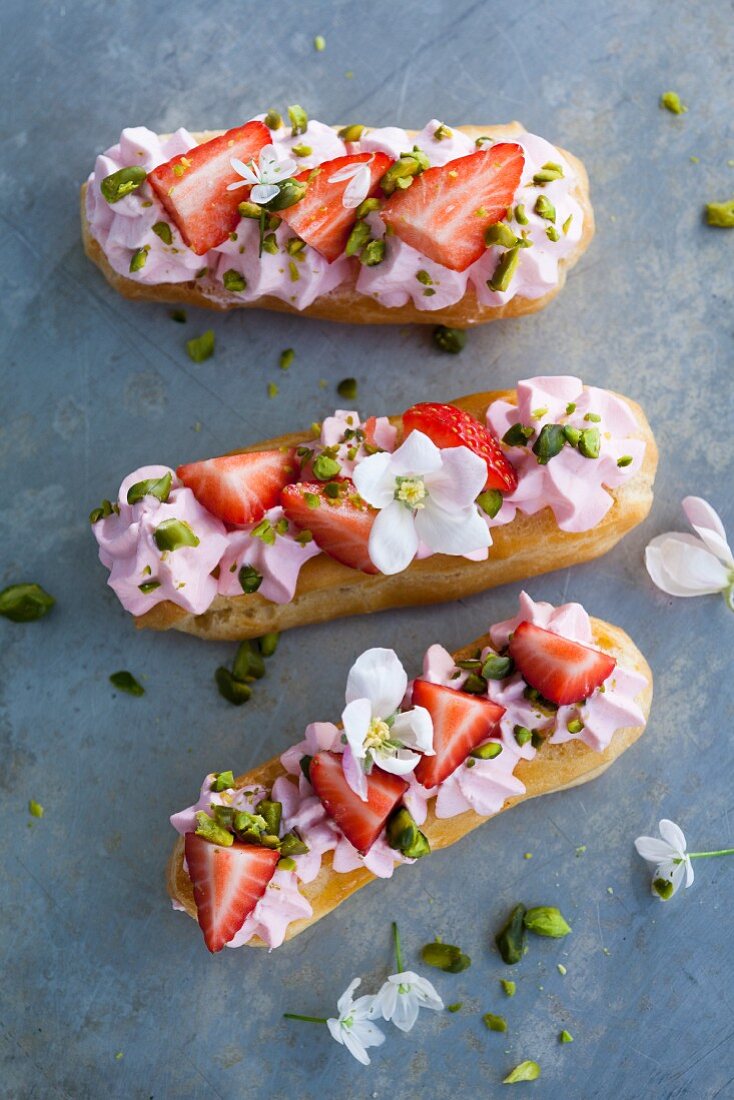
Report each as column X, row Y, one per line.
column 361, row 822
column 460, row 723
column 228, row 884
column 193, row 185
column 240, row 488
column 446, row 211
column 448, row 426
column 561, row 670
column 340, row 524
column 320, row 218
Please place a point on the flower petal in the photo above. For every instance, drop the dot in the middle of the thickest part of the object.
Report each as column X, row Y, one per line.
column 344, row 1003
column 414, row 729
column 374, row 480
column 689, row 872
column 353, row 1045
column 378, row 675
column 707, row 524
column 402, row 762
column 451, row 532
column 459, row 481
column 247, row 171
column 264, row 192
column 654, row 850
column 356, row 718
column 682, row 566
column 393, row 539
column 673, row 834
column 354, row 773
column 417, row 455
column 679, row 871
column 357, row 189
column 406, row 1011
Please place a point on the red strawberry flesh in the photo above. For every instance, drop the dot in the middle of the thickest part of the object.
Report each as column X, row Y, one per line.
column 460, row 723
column 361, row 822
column 228, row 883
column 193, row 186
column 562, row 671
column 448, row 426
column 240, row 488
column 445, row 211
column 340, row 525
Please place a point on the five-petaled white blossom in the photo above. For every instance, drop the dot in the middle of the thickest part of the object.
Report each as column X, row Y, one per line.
column 265, row 176
column 402, row 997
column 424, row 495
column 669, row 857
column 358, row 188
column 354, row 1028
column 693, row 565
column 376, row 731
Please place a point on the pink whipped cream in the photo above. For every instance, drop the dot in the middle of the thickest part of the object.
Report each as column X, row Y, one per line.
column 279, row 563
column 574, row 487
column 479, row 785
column 126, row 226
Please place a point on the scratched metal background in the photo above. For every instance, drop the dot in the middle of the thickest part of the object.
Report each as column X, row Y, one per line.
column 105, row 991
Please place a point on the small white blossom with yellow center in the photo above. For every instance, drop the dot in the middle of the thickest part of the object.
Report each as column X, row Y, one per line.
column 376, row 731
column 426, row 496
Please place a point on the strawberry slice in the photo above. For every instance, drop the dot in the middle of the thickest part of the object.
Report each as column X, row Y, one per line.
column 448, row 426
column 561, row 670
column 240, row 488
column 193, row 187
column 228, row 884
column 460, row 723
column 445, row 211
column 361, row 822
column 340, row 524
column 320, row 217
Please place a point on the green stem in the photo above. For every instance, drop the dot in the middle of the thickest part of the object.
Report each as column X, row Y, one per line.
column 308, row 1019
column 262, row 233
column 704, row 855
column 398, row 952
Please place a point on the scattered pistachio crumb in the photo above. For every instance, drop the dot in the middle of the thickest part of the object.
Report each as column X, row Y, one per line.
column 671, row 101
column 493, row 1022
column 35, row 809
column 565, row 1036
column 349, row 74
column 510, row 988
column 201, row 347
column 347, row 388
column 561, row 969
column 286, row 358
column 528, row 855
column 119, row 1056
column 273, row 389
column 695, row 160
column 720, row 214
column 454, row 1007
column 179, row 316
column 581, row 849
column 525, row 1071
column 730, row 163
column 610, row 890
column 606, row 950
column 319, row 43
column 323, row 383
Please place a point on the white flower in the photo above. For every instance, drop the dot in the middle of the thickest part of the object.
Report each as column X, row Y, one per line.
column 359, row 177
column 402, row 997
column 669, row 858
column 376, row 731
column 353, row 1028
column 265, row 176
column 686, row 565
column 424, row 495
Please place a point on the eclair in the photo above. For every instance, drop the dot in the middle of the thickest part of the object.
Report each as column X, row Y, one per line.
column 545, row 701
column 359, row 515
column 451, row 225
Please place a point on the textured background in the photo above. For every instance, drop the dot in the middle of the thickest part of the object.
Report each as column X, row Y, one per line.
column 106, row 992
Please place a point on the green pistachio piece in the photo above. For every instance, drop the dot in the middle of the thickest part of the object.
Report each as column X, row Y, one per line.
column 509, row 987
column 298, row 120
column 125, row 681
column 573, row 435
column 270, row 244
column 351, row 133
column 248, row 663
column 301, row 150
column 543, row 705
column 358, row 238
column 295, row 276
column 368, row 207
column 720, row 214
column 347, row 388
column 494, row 1023
column 575, row 725
column 487, row 751
column 455, row 1007
column 518, row 435
column 526, row 1071
column 550, row 442
column 253, row 825
column 294, row 246
column 404, row 835
column 122, row 182
column 264, row 531
column 250, row 579
column 474, row 685
column 250, row 210
column 234, row 281
column 499, row 235
column 589, row 443
column 234, row 691
column 671, row 101
column 319, row 43
column 402, row 172
column 224, row 816
column 273, row 120
column 424, row 278
column 292, row 845
column 163, row 230
column 173, row 534
column 286, row 359
column 522, row 735
column 546, row 920
column 139, row 258
column 149, row 586
column 373, row 254
column 268, row 643
column 537, row 739
column 565, row 1037
column 285, row 863
column 24, row 603
column 545, row 208
column 450, row 340
column 222, row 781
column 305, row 765
column 505, row 269
column 624, row 460
column 442, row 132
column 490, row 501
column 567, row 224
column 271, row 812
column 210, row 830
column 480, row 142
column 510, row 939
column 496, row 667
column 548, row 173
column 35, row 809
column 201, row 347
column 158, row 487
column 291, row 191
column 325, row 468
column 552, row 233
column 445, row 956
column 520, row 216
column 331, row 490
column 106, row 509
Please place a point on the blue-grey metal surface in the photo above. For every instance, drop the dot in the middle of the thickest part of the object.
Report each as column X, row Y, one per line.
column 105, row 991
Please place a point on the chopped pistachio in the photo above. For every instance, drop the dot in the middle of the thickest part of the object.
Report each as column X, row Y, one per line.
column 179, row 316
column 305, row 766
column 494, row 1023
column 545, row 208
column 496, row 667
column 368, row 207
column 546, row 920
column 450, row 340
column 301, row 150
column 625, row 460
column 518, row 435
column 122, row 182
column 201, row 347
column 250, row 210
column 565, row 1037
column 139, row 258
column 550, row 442
column 589, row 443
column 25, row 603
column 441, row 132
column 347, row 388
column 291, row 191
column 272, row 813
column 402, row 172
column 319, row 43
column 488, row 751
column 373, row 254
column 209, row 829
column 270, row 244
column 403, row 834
column 424, row 278
column 510, row 939
column 504, row 271
column 234, row 691
column 265, row 531
column 594, row 418
column 273, row 120
column 573, row 435
column 250, row 579
column 234, row 281
column 286, row 358
column 552, row 233
column 567, row 224
column 455, row 1007
column 520, row 216
column 222, row 781
column 527, row 855
column 35, row 809
column 509, row 987
column 248, row 662
column 499, row 235
column 483, row 140
column 149, row 586
column 351, row 133
column 268, row 643
column 273, row 389
column 720, row 214
column 158, row 487
column 671, row 101
column 325, row 468
column 292, row 845
column 298, row 120
column 526, row 1071
column 358, row 238
column 125, row 681
column 548, row 173
column 312, row 500
column 490, row 501
column 173, row 534
column 575, row 725
column 445, row 956
column 293, row 271
column 163, row 230
column 522, row 735
column 580, row 850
